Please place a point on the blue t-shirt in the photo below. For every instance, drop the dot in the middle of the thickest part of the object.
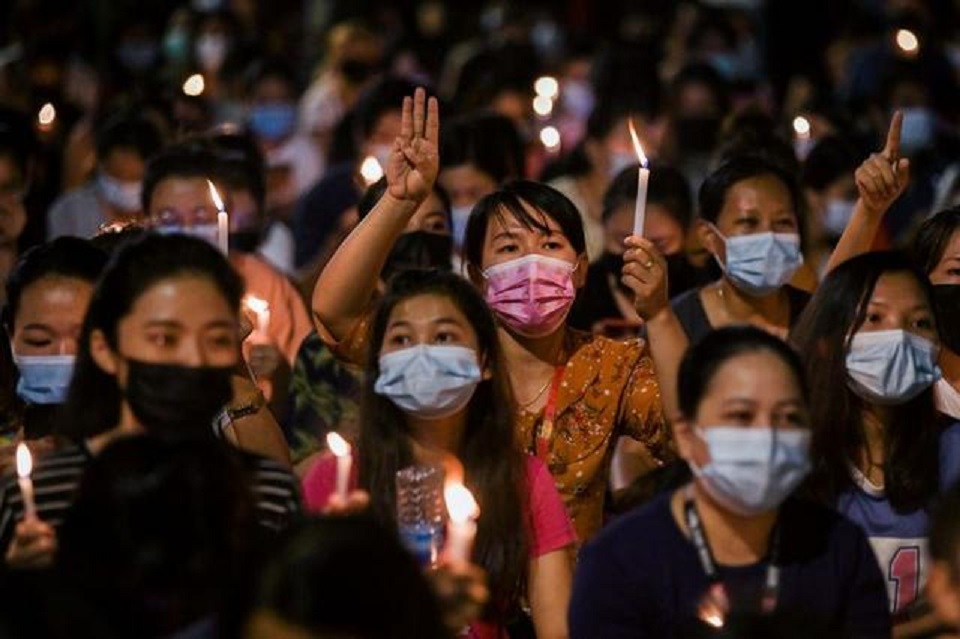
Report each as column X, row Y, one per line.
column 641, row 577
column 899, row 539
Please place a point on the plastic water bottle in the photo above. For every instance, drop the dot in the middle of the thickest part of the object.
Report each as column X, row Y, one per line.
column 420, row 512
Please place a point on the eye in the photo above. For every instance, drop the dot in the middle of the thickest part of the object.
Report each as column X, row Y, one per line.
column 925, row 323
column 786, row 224
column 873, row 318
column 507, row 248
column 399, row 339
column 553, row 245
column 446, row 337
column 162, row 340
column 739, row 417
column 746, row 223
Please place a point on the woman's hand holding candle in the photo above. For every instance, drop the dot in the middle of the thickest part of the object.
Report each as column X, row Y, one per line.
column 645, row 273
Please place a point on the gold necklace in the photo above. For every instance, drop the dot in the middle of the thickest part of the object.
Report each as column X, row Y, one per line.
column 540, row 393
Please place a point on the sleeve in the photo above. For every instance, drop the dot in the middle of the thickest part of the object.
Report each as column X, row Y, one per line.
column 868, row 610
column 603, row 603
column 551, row 527
column 641, row 411
column 353, row 347
column 319, row 484
column 950, row 456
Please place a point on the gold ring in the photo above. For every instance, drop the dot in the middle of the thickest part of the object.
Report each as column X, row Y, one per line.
column 649, row 264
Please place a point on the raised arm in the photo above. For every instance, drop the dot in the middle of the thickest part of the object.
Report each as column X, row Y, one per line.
column 348, row 281
column 881, row 179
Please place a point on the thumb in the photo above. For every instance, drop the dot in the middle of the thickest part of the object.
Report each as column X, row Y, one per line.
column 903, row 171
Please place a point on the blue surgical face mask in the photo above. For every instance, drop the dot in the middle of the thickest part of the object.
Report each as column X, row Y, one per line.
column 891, row 367
column 459, row 216
column 760, row 263
column 44, row 379
column 428, row 381
column 123, row 195
column 207, row 232
column 753, row 470
column 837, row 216
column 919, row 127
column 273, row 122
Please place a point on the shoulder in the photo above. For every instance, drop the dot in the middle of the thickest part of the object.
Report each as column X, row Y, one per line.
column 584, row 344
column 652, row 522
column 815, row 528
column 688, row 307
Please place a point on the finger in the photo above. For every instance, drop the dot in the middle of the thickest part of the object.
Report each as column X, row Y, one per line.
column 873, row 183
column 419, row 111
column 888, row 177
column 903, row 173
column 433, row 121
column 406, row 119
column 891, row 150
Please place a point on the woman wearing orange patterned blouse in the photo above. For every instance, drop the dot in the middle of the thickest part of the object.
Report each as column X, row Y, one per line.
column 576, row 393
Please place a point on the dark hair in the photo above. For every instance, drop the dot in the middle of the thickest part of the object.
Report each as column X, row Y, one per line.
column 754, row 133
column 488, row 141
column 189, row 159
column 160, row 533
column 713, row 191
column 376, row 190
column 18, row 141
column 320, row 581
column 63, row 257
column 831, row 159
column 242, row 165
column 546, row 202
column 933, row 236
column 493, row 466
column 667, row 187
column 822, row 336
column 945, row 530
column 128, row 130
column 94, row 399
column 703, row 74
column 702, row 361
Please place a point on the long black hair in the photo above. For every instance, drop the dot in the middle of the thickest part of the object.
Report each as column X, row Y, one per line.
column 493, row 465
column 822, row 336
column 93, row 403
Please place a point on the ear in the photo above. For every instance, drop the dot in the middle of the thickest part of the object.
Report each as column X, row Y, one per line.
column 580, row 270
column 103, row 356
column 485, row 372
column 683, row 436
column 710, row 240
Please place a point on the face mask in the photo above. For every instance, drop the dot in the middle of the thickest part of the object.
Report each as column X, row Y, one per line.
column 697, row 134
column 460, row 215
column 211, row 51
column 170, row 400
column 176, row 45
column 273, row 122
column 532, row 295
column 753, row 470
column 891, row 367
column 726, row 64
column 918, row 129
column 419, row 250
column 837, row 216
column 430, row 382
column 760, row 263
column 946, row 300
column 578, row 99
column 123, row 195
column 44, row 379
column 207, row 232
column 137, row 56
column 618, row 161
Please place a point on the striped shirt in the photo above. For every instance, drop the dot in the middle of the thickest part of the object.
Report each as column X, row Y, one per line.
column 56, row 479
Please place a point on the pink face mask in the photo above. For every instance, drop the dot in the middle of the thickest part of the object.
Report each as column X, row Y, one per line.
column 532, row 294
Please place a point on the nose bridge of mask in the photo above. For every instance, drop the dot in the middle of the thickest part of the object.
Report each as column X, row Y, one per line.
column 533, row 262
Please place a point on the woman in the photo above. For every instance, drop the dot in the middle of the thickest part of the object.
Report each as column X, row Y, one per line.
column 882, row 456
column 436, row 386
column 733, row 541
column 158, row 347
column 525, row 250
column 47, row 297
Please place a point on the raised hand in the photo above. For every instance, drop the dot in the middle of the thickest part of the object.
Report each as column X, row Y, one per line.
column 645, row 273
column 883, row 176
column 415, row 159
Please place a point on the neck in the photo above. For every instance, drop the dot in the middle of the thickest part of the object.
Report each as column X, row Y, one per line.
column 769, row 307
column 128, row 426
column 734, row 540
column 524, row 352
column 950, row 365
column 435, row 437
column 875, row 421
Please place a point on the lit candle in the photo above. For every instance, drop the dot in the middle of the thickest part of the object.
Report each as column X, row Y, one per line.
column 640, row 211
column 260, row 308
column 223, row 220
column 24, row 468
column 370, row 170
column 462, row 525
column 341, row 450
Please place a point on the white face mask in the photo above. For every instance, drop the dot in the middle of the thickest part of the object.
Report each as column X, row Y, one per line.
column 891, row 367
column 837, row 216
column 460, row 215
column 760, row 263
column 753, row 470
column 206, row 232
column 123, row 195
column 428, row 381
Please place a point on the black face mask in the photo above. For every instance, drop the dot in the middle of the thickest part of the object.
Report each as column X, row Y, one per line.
column 419, row 250
column 946, row 299
column 697, row 135
column 176, row 401
column 245, row 241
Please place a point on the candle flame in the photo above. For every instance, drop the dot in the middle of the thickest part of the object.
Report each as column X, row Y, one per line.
column 194, row 85
column 370, row 170
column 256, row 304
column 215, row 196
column 24, row 461
column 460, row 502
column 641, row 156
column 337, row 444
column 47, row 114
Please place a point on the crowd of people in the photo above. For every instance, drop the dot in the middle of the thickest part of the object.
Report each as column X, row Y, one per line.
column 281, row 284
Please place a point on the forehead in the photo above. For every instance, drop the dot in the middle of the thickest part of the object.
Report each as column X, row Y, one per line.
column 182, row 298
column 505, row 220
column 755, row 375
column 898, row 289
column 180, row 193
column 759, row 192
column 426, row 309
column 951, row 249
column 54, row 296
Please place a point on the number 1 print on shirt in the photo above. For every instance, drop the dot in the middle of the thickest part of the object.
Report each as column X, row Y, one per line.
column 904, row 571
